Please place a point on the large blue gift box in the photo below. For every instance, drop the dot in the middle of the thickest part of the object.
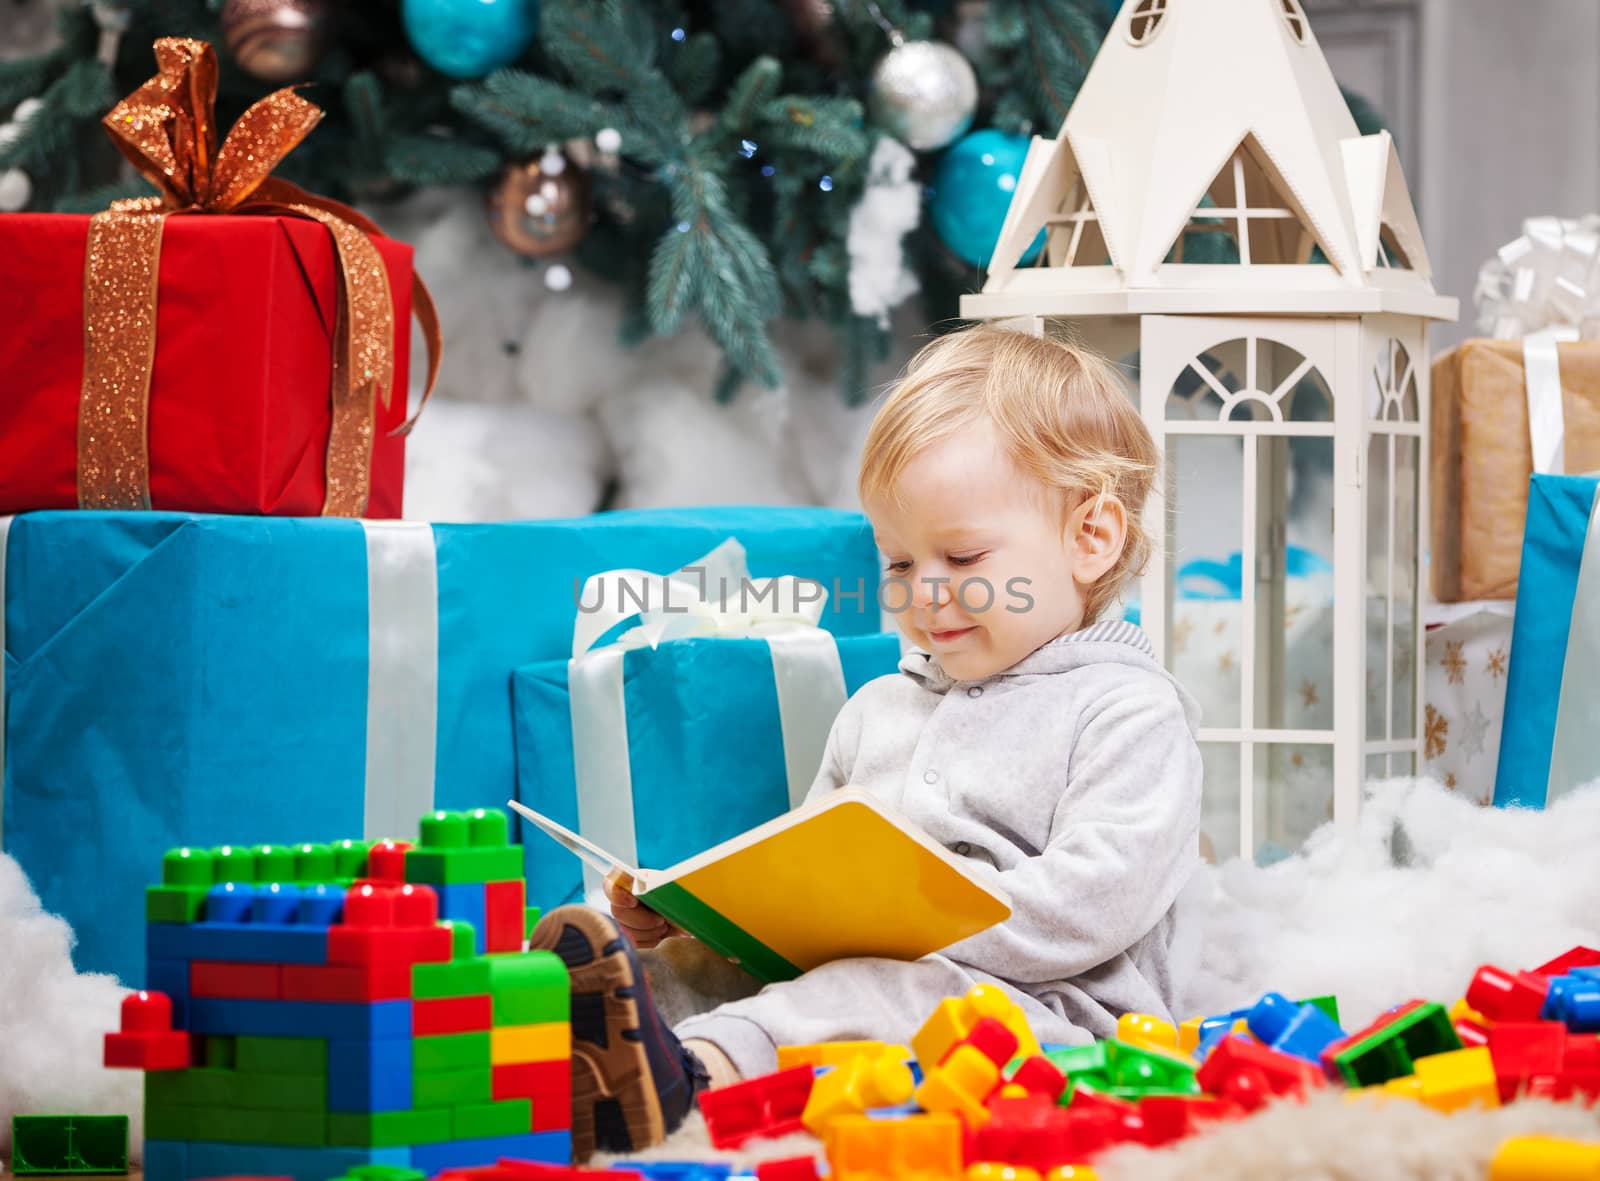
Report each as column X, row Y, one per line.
column 1548, row 744
column 177, row 679
column 703, row 757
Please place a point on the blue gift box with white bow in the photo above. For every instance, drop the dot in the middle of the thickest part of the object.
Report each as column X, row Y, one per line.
column 178, row 679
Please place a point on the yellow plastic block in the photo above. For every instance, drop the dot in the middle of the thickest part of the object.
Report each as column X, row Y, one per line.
column 1072, row 1173
column 1459, row 1078
column 1461, row 1010
column 1409, row 1087
column 547, row 1042
column 960, row 1085
column 864, row 1149
column 1146, row 1032
column 995, row 1171
column 1544, row 1158
column 882, row 1080
column 1014, row 1091
column 955, row 1017
column 1189, row 1035
column 835, row 1053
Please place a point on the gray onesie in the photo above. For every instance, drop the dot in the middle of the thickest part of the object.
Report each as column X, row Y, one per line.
column 1072, row 781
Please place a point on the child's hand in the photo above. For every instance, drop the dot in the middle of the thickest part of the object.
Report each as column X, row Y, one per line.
column 641, row 924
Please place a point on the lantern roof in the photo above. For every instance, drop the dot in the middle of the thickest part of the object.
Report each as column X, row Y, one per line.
column 1203, row 120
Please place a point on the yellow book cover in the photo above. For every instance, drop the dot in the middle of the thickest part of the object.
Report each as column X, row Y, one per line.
column 842, row 876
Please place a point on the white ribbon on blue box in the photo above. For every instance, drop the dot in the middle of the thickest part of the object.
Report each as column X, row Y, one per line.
column 706, row 719
column 180, row 679
column 1547, row 745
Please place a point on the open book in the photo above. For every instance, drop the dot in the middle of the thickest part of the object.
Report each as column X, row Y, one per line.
column 838, row 877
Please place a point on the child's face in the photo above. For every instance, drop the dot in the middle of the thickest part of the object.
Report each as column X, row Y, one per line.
column 970, row 518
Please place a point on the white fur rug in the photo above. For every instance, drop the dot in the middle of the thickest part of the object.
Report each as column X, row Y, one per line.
column 1424, row 890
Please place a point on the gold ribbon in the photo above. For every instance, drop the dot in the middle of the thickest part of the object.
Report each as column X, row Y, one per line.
column 166, row 130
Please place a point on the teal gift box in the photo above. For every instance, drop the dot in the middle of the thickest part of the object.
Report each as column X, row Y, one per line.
column 694, row 751
column 1547, row 743
column 178, row 679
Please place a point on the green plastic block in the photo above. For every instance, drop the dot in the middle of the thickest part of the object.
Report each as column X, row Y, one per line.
column 510, row 1118
column 186, row 867
column 1328, row 1004
column 233, row 863
column 458, row 978
column 463, row 939
column 350, row 859
column 313, row 863
column 445, row 830
column 454, row 867
column 274, row 863
column 1149, row 1072
column 280, row 1055
column 69, row 1144
column 174, row 904
column 452, row 1088
column 220, row 1051
column 292, row 1129
column 1073, row 1061
column 529, row 988
column 204, row 1087
column 530, row 920
column 389, row 1129
column 1390, row 1051
column 382, row 1173
column 436, row 1053
column 488, row 828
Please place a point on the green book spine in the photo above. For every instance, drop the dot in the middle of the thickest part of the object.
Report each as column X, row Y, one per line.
column 713, row 929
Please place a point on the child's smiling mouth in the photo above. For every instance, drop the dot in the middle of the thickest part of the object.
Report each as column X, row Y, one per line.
column 950, row 635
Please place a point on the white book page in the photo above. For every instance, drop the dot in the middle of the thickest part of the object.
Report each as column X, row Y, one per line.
column 587, row 851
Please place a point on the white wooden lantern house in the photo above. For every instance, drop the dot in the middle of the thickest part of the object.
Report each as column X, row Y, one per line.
column 1215, row 221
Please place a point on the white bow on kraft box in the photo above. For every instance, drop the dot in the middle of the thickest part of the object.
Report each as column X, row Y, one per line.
column 709, row 716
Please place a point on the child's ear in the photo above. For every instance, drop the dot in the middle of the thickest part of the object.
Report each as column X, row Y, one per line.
column 1097, row 531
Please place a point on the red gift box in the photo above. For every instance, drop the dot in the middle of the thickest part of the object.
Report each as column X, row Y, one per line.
column 240, row 392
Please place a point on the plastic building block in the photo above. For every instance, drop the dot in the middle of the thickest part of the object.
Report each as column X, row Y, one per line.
column 386, row 861
column 1574, row 1000
column 449, row 1051
column 861, row 1148
column 1141, row 1029
column 166, row 1160
column 383, row 980
column 955, row 1017
column 1031, row 1132
column 388, row 1129
column 529, row 1080
column 551, row 1147
column 1507, row 996
column 1461, row 1011
column 1189, row 1035
column 1137, row 1071
column 1577, row 957
column 1388, row 1047
column 529, row 988
column 219, row 1052
column 511, row 1044
column 368, row 1075
column 1471, row 1034
column 239, row 981
column 280, row 1055
column 866, row 1082
column 467, row 977
column 147, row 1040
column 477, row 1121
column 835, row 1053
column 772, row 1105
column 1544, row 1158
column 69, row 1144
column 213, row 1087
column 1302, row 1030
column 1460, row 1078
column 960, row 1085
column 465, row 903
column 240, row 942
column 1084, row 1064
column 789, row 1168
column 453, row 1014
column 172, row 978
column 992, row 1039
column 1521, row 1050
column 382, row 1019
column 458, row 847
column 1250, row 1074
column 504, row 904
column 1170, row 1118
column 239, row 1125
column 212, row 1159
column 450, row 1088
column 1039, row 1076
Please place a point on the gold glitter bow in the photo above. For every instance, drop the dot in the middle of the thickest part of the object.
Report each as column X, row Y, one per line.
column 166, row 129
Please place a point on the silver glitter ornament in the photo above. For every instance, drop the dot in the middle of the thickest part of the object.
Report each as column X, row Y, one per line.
column 923, row 93
column 15, row 190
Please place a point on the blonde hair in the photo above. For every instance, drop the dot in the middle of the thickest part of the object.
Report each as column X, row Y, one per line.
column 1061, row 412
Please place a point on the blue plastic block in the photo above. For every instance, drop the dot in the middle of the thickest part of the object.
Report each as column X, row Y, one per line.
column 903, row 1111
column 166, row 1160
column 549, row 1147
column 687, row 1170
column 172, row 978
column 365, row 1076
column 210, row 1159
column 466, row 902
column 1574, row 1000
column 1214, row 1029
column 240, row 943
column 1300, row 1030
column 356, row 1021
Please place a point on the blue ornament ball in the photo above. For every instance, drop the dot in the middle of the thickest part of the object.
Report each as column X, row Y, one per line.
column 470, row 38
column 971, row 191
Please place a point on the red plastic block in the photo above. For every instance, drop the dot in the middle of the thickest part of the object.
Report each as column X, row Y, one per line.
column 992, row 1039
column 1040, row 1076
column 370, row 945
column 451, row 1014
column 526, row 1080
column 504, row 907
column 381, row 980
column 767, row 1106
column 1031, row 1132
column 1248, row 1073
column 1522, row 1049
column 790, row 1168
column 387, row 861
column 1578, row 957
column 1170, row 1118
column 1471, row 1033
column 1507, row 996
column 147, row 1040
column 245, row 982
column 515, row 1170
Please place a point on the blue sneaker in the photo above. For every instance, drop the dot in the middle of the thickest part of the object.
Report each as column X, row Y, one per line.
column 632, row 1080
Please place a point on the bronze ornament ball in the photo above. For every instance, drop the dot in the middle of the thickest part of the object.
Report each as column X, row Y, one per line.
column 539, row 208
column 277, row 40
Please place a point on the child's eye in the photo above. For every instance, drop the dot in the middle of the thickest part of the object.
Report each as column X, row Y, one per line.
column 899, row 567
column 967, row 559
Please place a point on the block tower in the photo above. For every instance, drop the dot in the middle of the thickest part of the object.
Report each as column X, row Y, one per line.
column 319, row 1008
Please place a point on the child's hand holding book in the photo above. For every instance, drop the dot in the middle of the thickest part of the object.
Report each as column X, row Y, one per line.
column 641, row 924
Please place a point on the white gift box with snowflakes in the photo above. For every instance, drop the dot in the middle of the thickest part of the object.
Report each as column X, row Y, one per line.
column 1468, row 653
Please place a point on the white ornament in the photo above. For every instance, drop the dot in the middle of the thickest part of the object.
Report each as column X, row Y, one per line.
column 923, row 93
column 557, row 278
column 27, row 109
column 552, row 163
column 9, row 134
column 608, row 140
column 890, row 206
column 537, row 205
column 15, row 189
